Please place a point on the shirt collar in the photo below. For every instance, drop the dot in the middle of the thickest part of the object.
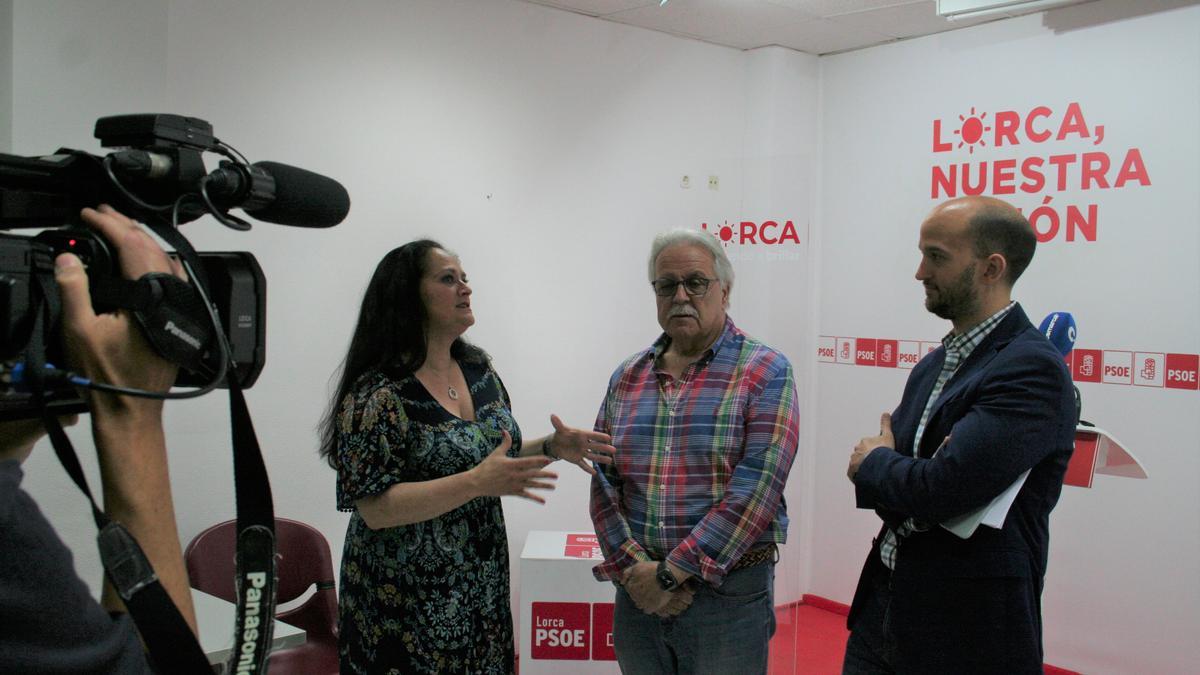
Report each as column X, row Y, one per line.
column 965, row 343
column 660, row 345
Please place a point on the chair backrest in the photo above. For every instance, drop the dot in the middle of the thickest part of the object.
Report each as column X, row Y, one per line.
column 303, row 559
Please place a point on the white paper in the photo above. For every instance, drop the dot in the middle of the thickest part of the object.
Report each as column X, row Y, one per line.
column 992, row 514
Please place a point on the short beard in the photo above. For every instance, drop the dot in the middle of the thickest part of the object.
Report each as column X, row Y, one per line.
column 957, row 301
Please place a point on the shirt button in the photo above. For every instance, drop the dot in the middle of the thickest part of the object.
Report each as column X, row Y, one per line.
column 661, row 524
column 667, row 449
column 663, row 486
column 671, row 413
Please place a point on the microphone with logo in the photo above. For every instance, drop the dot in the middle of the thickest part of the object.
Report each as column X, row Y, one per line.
column 1059, row 329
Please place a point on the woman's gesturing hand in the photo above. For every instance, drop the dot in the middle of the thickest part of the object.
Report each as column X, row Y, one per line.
column 500, row 475
column 579, row 446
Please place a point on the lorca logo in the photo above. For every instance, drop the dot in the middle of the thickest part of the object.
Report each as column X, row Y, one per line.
column 1053, row 162
column 749, row 233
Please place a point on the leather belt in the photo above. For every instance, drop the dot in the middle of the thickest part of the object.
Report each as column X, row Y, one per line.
column 757, row 556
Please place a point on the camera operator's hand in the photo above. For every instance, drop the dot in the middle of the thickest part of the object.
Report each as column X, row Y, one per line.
column 18, row 437
column 110, row 348
column 128, row 431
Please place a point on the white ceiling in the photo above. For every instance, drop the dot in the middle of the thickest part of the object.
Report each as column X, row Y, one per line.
column 812, row 26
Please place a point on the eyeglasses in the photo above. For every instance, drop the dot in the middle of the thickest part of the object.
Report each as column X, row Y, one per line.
column 693, row 286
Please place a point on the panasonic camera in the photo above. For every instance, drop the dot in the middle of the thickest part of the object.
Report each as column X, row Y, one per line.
column 157, row 177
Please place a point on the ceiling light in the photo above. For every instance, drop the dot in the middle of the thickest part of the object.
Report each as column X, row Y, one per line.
column 974, row 9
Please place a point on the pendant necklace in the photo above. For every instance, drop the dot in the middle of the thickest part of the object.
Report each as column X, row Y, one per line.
column 452, row 392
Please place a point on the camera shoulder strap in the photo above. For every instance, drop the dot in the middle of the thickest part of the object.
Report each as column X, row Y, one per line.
column 256, row 577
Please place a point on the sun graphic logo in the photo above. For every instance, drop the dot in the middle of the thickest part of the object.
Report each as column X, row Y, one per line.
column 748, row 232
column 970, row 132
column 723, row 232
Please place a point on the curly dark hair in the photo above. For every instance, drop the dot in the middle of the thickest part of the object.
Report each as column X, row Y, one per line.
column 390, row 334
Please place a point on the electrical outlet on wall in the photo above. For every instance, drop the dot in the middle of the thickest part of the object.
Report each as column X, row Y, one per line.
column 685, row 182
column 714, row 183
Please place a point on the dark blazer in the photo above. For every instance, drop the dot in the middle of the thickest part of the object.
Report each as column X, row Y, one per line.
column 972, row 605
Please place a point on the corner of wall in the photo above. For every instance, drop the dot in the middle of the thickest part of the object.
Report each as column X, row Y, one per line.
column 6, row 74
column 781, row 147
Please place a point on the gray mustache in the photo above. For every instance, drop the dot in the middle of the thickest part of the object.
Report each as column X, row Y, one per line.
column 683, row 310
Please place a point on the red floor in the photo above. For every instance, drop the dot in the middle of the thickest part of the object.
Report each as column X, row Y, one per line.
column 810, row 639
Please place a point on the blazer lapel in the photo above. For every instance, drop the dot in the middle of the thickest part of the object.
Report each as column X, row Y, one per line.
column 998, row 339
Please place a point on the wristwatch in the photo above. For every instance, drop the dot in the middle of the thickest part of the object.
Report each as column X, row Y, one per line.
column 666, row 580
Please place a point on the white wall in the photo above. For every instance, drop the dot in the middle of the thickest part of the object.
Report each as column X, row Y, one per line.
column 1122, row 589
column 546, row 148
column 6, row 53
column 72, row 63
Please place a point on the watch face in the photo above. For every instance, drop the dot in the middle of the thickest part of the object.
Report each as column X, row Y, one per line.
column 665, row 578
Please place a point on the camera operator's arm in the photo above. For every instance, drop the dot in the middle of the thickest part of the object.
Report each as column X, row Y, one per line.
column 128, row 431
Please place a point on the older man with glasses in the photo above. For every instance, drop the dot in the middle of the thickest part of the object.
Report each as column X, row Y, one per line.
column 691, row 512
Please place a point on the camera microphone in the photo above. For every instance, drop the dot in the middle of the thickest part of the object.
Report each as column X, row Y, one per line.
column 280, row 194
column 267, row 191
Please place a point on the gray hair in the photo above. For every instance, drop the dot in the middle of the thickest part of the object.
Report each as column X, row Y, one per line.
column 705, row 240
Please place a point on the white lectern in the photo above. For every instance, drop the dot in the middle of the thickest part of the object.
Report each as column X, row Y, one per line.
column 566, row 615
column 1097, row 451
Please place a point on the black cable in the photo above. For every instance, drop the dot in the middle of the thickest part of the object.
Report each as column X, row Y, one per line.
column 137, row 201
column 232, row 222
column 230, row 152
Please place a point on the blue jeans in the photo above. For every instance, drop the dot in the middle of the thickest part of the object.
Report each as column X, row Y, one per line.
column 724, row 632
column 871, row 647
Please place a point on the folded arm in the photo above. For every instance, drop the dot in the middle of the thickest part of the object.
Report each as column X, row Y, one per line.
column 1011, row 426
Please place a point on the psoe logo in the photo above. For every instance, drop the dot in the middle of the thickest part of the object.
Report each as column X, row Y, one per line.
column 572, row 631
column 750, row 233
column 561, row 630
column 582, row 546
column 1183, row 371
column 1148, row 369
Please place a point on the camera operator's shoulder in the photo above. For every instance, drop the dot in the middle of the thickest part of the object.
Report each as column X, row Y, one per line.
column 11, row 475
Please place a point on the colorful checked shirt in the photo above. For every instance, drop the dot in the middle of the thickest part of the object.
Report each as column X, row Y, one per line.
column 701, row 461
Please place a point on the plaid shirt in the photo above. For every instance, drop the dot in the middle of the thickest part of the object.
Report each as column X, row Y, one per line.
column 701, row 461
column 958, row 348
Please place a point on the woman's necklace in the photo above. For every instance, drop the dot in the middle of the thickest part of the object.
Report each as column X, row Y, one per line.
column 445, row 376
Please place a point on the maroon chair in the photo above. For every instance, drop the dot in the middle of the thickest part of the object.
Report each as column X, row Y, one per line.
column 302, row 560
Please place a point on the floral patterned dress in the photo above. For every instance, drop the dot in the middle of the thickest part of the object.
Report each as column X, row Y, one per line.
column 430, row 597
